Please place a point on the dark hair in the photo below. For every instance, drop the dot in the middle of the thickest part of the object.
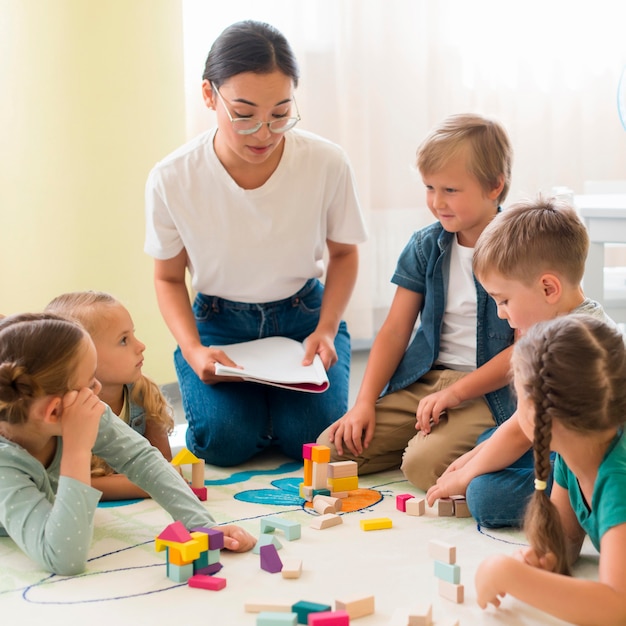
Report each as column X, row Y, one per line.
column 38, row 357
column 549, row 363
column 250, row 46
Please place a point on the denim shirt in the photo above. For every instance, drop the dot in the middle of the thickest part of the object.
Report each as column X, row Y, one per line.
column 424, row 267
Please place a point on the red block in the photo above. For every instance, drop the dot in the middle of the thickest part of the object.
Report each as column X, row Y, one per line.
column 201, row 581
column 401, row 501
column 329, row 618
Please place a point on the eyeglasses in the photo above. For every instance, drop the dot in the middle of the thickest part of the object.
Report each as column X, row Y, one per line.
column 249, row 126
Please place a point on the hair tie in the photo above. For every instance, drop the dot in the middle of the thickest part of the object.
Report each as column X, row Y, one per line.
column 540, row 485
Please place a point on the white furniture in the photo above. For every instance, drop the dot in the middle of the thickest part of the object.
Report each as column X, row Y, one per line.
column 605, row 217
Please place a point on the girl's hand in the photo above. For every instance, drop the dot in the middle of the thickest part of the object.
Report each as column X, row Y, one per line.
column 489, row 580
column 531, row 557
column 452, row 483
column 237, row 539
column 80, row 417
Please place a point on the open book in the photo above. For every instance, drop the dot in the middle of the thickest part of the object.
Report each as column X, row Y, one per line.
column 275, row 361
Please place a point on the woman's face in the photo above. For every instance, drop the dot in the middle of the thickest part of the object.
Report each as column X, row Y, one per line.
column 263, row 97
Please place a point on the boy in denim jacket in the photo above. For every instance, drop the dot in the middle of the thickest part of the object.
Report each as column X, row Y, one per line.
column 450, row 382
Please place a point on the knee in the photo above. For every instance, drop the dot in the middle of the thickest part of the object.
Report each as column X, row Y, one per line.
column 419, row 470
column 217, row 446
column 480, row 502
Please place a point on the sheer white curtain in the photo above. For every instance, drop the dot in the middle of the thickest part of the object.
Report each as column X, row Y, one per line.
column 376, row 75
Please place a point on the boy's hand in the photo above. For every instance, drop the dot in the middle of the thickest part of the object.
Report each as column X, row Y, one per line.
column 431, row 407
column 237, row 539
column 355, row 429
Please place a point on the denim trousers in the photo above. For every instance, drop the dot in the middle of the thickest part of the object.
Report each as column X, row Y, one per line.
column 230, row 422
column 499, row 499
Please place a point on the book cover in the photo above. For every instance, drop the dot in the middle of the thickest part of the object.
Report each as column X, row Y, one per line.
column 274, row 361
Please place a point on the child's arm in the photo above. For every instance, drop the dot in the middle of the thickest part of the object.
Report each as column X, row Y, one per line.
column 507, row 444
column 583, row 602
column 355, row 429
column 157, row 436
column 488, row 377
column 117, row 487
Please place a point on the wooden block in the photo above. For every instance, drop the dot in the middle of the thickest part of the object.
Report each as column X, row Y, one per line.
column 307, row 451
column 197, row 474
column 450, row 591
column 320, row 454
column 416, row 506
column 202, row 581
column 179, row 573
column 356, row 606
column 270, row 561
column 292, row 568
column 376, row 523
column 308, row 472
column 329, row 618
column 350, row 483
column 216, row 536
column 264, row 540
column 339, row 494
column 422, row 615
column 401, row 501
column 267, row 618
column 325, row 521
column 320, row 475
column 446, row 571
column 335, row 502
column 201, row 493
column 306, row 492
column 260, row 606
column 445, row 507
column 322, row 506
column 175, row 532
column 442, row 551
column 460, row 507
column 290, row 529
column 304, row 608
column 343, row 469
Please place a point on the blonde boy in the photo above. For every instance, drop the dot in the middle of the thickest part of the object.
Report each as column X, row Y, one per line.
column 530, row 260
column 448, row 382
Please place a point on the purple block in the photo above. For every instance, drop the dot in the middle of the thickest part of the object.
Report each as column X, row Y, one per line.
column 270, row 561
column 216, row 537
column 209, row 570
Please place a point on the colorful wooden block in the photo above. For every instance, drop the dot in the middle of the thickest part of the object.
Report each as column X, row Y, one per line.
column 175, row 532
column 201, row 493
column 320, row 454
column 303, row 608
column 450, row 591
column 270, row 561
column 320, row 475
column 325, row 521
column 307, row 451
column 308, row 472
column 445, row 507
column 216, row 536
column 343, row 469
column 460, row 507
column 350, row 483
column 401, row 500
column 442, row 551
column 264, row 606
column 375, row 523
column 292, row 568
column 291, row 529
column 446, row 571
column 264, row 540
column 268, row 618
column 355, row 605
column 209, row 570
column 415, row 506
column 422, row 615
column 179, row 573
column 202, row 581
column 329, row 618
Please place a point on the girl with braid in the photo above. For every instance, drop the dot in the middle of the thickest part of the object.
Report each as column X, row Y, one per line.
column 570, row 379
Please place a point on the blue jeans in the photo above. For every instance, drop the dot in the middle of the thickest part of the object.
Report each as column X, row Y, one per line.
column 499, row 499
column 229, row 423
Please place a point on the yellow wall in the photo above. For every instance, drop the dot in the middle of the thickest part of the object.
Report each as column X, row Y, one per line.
column 91, row 96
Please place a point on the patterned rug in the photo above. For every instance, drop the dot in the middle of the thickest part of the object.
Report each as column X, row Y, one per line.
column 126, row 581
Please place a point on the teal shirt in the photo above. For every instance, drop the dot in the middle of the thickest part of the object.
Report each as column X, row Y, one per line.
column 50, row 517
column 608, row 505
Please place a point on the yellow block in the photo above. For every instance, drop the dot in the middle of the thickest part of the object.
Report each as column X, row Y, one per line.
column 350, row 483
column 376, row 523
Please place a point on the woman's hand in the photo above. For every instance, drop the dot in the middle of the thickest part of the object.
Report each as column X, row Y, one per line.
column 202, row 360
column 322, row 344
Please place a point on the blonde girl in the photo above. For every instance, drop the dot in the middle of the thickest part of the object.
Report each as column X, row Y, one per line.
column 570, row 378
column 50, row 421
column 131, row 395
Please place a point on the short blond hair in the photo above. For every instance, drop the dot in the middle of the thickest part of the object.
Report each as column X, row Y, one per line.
column 490, row 154
column 531, row 238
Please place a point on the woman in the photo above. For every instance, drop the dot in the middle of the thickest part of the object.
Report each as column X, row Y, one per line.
column 249, row 208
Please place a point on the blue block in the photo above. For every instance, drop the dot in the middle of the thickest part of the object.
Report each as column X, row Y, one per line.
column 270, row 618
column 303, row 608
column 290, row 529
column 450, row 573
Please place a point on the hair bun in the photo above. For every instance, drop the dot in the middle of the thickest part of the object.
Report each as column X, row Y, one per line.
column 15, row 383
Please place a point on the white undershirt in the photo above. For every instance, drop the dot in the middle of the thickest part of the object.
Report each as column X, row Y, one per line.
column 457, row 348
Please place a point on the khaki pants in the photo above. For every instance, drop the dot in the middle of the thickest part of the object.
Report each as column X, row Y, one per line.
column 396, row 443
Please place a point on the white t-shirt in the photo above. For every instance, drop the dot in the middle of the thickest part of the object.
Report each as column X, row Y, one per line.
column 252, row 245
column 457, row 347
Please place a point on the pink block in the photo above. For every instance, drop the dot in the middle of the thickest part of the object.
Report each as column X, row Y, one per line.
column 202, row 581
column 307, row 450
column 401, row 501
column 329, row 618
column 270, row 561
column 176, row 532
column 201, row 493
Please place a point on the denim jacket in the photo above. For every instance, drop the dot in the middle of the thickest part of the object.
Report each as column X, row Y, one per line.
column 136, row 413
column 424, row 267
